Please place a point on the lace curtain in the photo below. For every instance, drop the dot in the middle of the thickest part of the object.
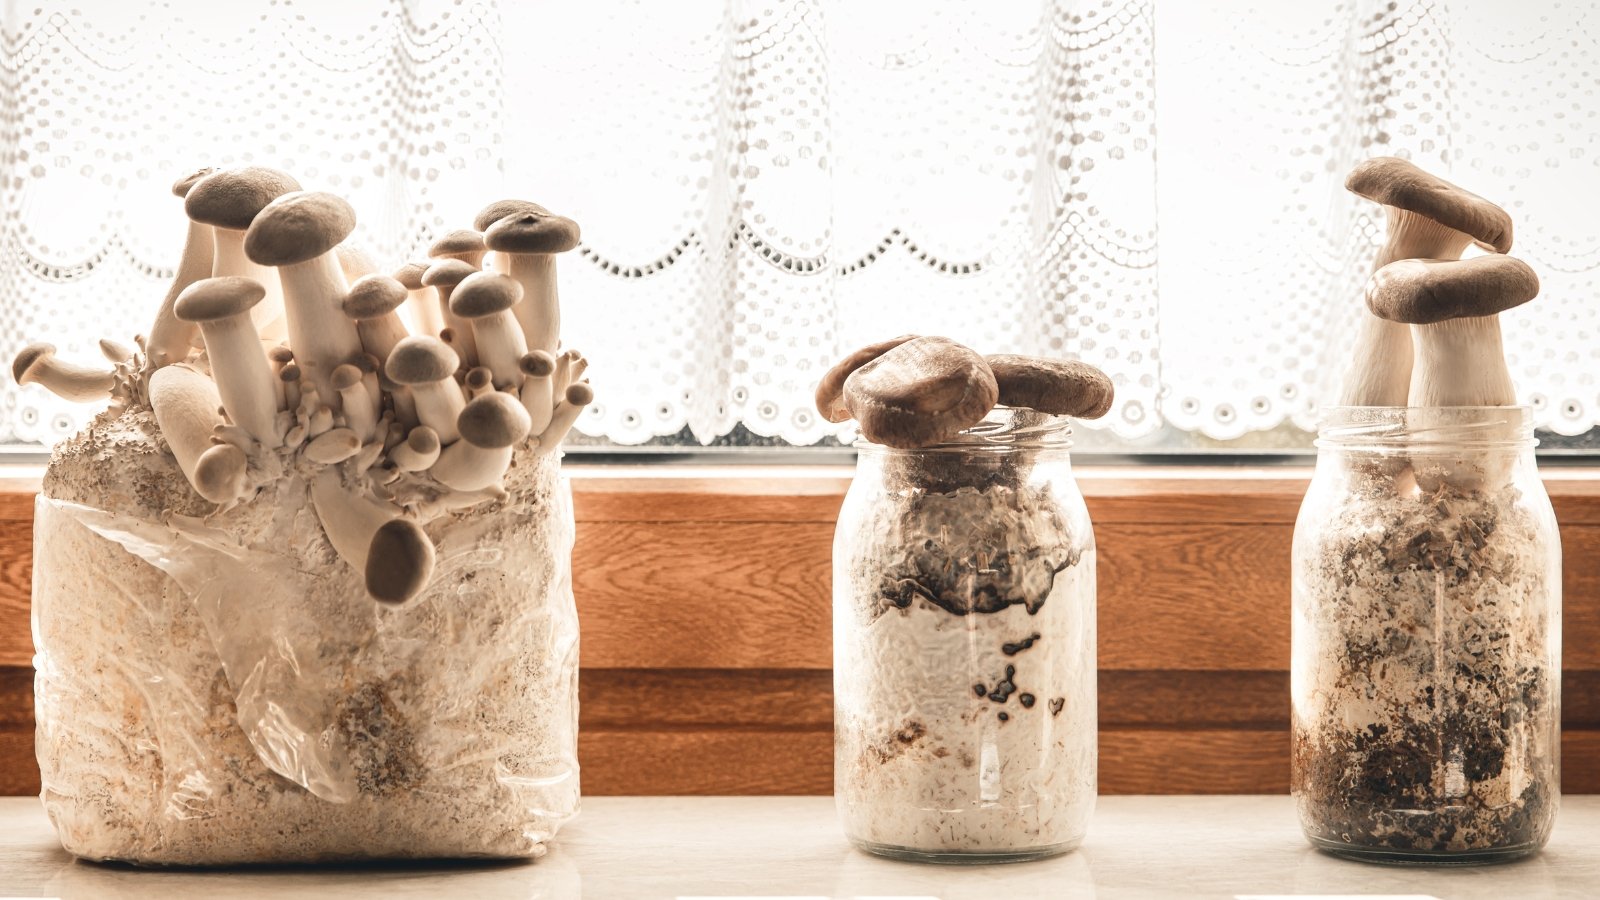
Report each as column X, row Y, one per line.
column 763, row 185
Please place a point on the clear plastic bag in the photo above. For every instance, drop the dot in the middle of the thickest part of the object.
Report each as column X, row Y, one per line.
column 224, row 691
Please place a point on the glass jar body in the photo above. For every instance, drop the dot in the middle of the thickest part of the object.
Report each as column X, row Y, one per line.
column 964, row 654
column 1426, row 639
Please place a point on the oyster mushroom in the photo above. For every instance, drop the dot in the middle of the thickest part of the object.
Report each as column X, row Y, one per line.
column 169, row 337
column 421, row 310
column 830, row 390
column 359, row 414
column 298, row 233
column 229, row 200
column 427, row 368
column 1429, row 218
column 527, row 243
column 399, row 561
column 920, row 393
column 463, row 244
column 222, row 307
column 186, row 404
column 564, row 416
column 490, row 427
column 363, row 532
column 419, row 451
column 1059, row 387
column 373, row 304
column 477, row 382
column 537, row 392
column 484, row 300
column 443, row 276
column 37, row 364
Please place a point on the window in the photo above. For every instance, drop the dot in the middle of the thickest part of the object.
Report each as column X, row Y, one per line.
column 1153, row 186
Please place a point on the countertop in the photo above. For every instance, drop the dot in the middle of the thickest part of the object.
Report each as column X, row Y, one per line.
column 622, row 848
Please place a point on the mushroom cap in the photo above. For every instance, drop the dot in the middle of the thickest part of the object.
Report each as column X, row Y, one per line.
column 1397, row 182
column 23, row 367
column 410, row 275
column 420, row 359
column 478, row 378
column 281, row 355
column 483, row 294
column 373, row 296
column 499, row 209
column 219, row 473
column 210, row 299
column 922, row 392
column 1425, row 291
column 232, row 198
column 297, row 227
column 537, row 363
column 345, row 377
column 447, row 273
column 462, row 241
column 181, row 187
column 368, row 364
column 493, row 420
column 830, row 390
column 423, row 439
column 532, row 232
column 290, row 373
column 579, row 394
column 399, row 561
column 1060, row 387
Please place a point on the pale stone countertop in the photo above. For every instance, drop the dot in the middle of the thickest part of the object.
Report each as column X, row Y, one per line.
column 636, row 847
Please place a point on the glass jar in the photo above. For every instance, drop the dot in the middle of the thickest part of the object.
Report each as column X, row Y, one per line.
column 1426, row 672
column 964, row 647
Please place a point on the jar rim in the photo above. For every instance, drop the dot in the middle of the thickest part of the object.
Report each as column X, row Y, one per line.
column 1004, row 429
column 1426, row 427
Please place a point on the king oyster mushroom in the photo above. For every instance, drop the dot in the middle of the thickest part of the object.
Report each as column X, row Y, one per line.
column 922, row 392
column 1059, row 387
column 229, row 200
column 830, row 390
column 222, row 307
column 170, row 336
column 37, row 364
column 527, row 244
column 490, row 426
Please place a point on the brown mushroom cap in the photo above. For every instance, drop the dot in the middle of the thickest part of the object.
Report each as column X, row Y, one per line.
column 461, row 242
column 423, row 440
column 289, row 373
column 210, row 299
column 537, row 363
column 373, row 296
column 493, row 420
column 920, row 393
column 345, row 377
column 232, row 198
column 410, row 275
column 22, row 368
column 399, row 561
column 220, row 472
column 478, row 378
column 532, row 232
column 297, row 227
column 420, row 359
column 579, row 394
column 1425, row 291
column 830, row 390
column 484, row 293
column 447, row 273
column 181, row 187
column 1396, row 182
column 281, row 355
column 1060, row 387
column 499, row 209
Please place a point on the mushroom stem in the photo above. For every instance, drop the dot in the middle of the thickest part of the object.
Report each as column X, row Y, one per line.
column 185, row 404
column 538, row 392
column 438, row 404
column 359, row 414
column 491, row 426
column 565, row 416
column 419, row 451
column 37, row 363
column 223, row 307
column 539, row 312
column 353, row 522
column 268, row 316
column 322, row 338
column 169, row 336
column 1461, row 362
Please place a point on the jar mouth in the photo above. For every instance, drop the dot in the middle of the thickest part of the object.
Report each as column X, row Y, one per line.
column 1426, row 427
column 1004, row 429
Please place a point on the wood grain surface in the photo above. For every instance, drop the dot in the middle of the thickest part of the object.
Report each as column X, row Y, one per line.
column 707, row 629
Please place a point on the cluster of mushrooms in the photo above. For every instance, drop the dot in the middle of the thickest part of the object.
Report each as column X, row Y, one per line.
column 912, row 391
column 402, row 396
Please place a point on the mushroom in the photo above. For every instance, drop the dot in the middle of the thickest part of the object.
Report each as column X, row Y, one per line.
column 419, row 451
column 372, row 304
column 229, row 200
column 354, row 262
column 830, row 390
column 363, row 532
column 1453, row 307
column 186, row 404
column 1059, row 387
column 37, row 363
column 169, row 336
column 115, row 351
column 290, row 376
column 1429, row 218
column 443, row 276
column 538, row 396
column 463, row 244
column 484, row 300
column 333, row 446
column 427, row 367
column 349, row 381
column 221, row 307
column 923, row 392
column 478, row 381
column 490, row 426
column 564, row 416
column 297, row 233
column 421, row 310
column 528, row 244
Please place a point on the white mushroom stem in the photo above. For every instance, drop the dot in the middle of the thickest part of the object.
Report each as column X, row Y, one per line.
column 169, row 336
column 67, row 380
column 405, row 408
column 422, row 311
column 418, row 452
column 539, row 311
column 538, row 398
column 438, row 404
column 115, row 352
column 479, row 381
column 460, row 330
column 230, row 259
column 349, row 519
column 320, row 420
column 500, row 345
column 290, row 376
column 358, row 406
column 244, row 379
column 322, row 337
column 1461, row 362
column 565, row 416
column 185, row 404
column 378, row 336
column 463, row 466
